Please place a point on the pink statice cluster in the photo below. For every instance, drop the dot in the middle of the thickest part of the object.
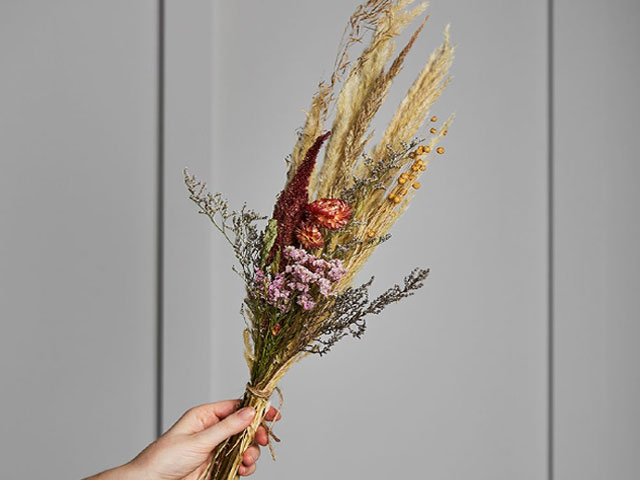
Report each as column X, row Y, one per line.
column 304, row 279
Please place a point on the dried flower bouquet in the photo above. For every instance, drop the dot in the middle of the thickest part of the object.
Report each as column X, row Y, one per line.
column 330, row 216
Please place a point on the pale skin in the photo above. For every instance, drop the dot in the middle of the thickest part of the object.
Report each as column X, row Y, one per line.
column 184, row 451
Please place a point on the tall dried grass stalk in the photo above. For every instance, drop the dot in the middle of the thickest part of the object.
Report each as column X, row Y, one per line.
column 361, row 95
column 374, row 214
column 379, row 214
column 362, row 20
column 414, row 108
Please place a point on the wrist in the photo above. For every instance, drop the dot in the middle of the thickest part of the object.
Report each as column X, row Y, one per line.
column 128, row 471
column 131, row 471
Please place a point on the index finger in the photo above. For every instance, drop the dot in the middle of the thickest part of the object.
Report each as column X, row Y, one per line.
column 203, row 416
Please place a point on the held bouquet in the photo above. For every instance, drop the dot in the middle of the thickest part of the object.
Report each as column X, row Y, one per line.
column 331, row 215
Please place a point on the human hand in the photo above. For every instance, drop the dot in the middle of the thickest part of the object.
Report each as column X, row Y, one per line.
column 185, row 450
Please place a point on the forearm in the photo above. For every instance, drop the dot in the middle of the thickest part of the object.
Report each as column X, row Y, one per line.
column 184, row 451
column 123, row 472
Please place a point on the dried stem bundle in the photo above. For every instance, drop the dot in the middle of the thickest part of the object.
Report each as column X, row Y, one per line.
column 328, row 220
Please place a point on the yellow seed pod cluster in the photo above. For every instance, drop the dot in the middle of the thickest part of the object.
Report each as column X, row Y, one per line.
column 407, row 180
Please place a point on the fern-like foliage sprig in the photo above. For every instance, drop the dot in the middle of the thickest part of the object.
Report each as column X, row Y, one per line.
column 352, row 306
column 238, row 227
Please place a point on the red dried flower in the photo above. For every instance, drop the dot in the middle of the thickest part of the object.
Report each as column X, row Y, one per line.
column 309, row 236
column 276, row 328
column 332, row 213
column 290, row 207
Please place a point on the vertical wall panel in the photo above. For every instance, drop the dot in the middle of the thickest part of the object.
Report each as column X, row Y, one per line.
column 187, row 293
column 77, row 211
column 451, row 383
column 597, row 236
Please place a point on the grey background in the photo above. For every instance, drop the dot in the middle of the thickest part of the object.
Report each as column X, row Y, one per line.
column 119, row 310
column 78, row 149
column 596, row 242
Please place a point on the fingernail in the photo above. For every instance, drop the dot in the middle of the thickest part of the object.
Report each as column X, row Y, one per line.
column 268, row 407
column 247, row 413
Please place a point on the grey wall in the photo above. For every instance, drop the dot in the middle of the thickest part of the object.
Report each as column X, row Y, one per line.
column 119, row 309
column 187, row 249
column 597, row 233
column 78, row 233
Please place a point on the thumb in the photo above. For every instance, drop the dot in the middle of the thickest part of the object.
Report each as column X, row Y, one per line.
column 222, row 430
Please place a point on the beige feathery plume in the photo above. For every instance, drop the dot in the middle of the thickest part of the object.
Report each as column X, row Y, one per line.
column 363, row 19
column 414, row 108
column 356, row 140
column 374, row 213
column 379, row 213
column 363, row 88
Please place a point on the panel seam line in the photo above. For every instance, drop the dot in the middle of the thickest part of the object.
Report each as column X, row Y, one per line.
column 160, row 220
column 550, row 244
